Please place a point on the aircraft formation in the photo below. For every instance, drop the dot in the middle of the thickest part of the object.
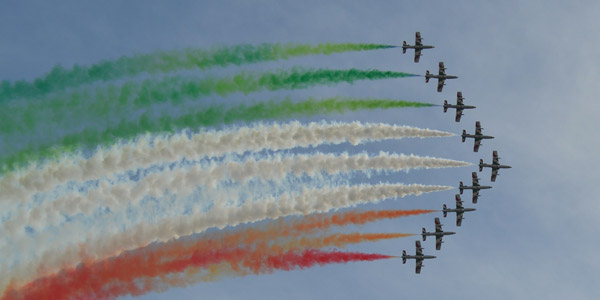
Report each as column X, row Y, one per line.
column 477, row 138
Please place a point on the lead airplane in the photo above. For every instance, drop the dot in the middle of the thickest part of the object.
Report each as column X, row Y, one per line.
column 478, row 136
column 418, row 46
column 459, row 106
column 418, row 257
column 441, row 77
column 495, row 165
column 475, row 187
column 459, row 210
column 439, row 234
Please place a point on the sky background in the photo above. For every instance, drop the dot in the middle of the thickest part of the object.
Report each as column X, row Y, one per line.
column 530, row 67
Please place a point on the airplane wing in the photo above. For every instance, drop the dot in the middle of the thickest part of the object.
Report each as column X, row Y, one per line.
column 475, row 179
column 459, row 98
column 418, row 266
column 495, row 159
column 478, row 128
column 458, row 202
column 475, row 195
column 417, row 55
column 418, row 40
column 438, row 225
column 442, row 69
column 459, row 218
column 494, row 174
column 419, row 249
column 438, row 242
column 440, row 84
column 458, row 114
column 476, row 146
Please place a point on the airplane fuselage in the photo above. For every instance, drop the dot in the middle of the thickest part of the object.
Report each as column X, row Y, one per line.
column 479, row 187
column 417, row 47
column 438, row 233
column 458, row 210
column 459, row 106
column 418, row 256
column 494, row 166
column 441, row 77
column 477, row 136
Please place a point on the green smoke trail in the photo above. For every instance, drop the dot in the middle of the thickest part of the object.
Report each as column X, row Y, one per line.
column 211, row 116
column 118, row 101
column 60, row 78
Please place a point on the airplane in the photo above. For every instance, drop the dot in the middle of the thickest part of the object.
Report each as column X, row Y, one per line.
column 459, row 106
column 418, row 257
column 440, row 77
column 418, row 46
column 459, row 210
column 475, row 187
column 495, row 165
column 439, row 234
column 477, row 137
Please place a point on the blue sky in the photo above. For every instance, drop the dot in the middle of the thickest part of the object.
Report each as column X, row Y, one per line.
column 529, row 66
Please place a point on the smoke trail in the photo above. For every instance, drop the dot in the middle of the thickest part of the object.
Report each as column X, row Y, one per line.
column 283, row 228
column 186, row 180
column 309, row 201
column 218, row 114
column 119, row 104
column 176, row 90
column 152, row 149
column 119, row 276
column 59, row 255
column 211, row 116
column 60, row 78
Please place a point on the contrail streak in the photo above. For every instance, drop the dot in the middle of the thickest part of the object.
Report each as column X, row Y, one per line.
column 140, row 262
column 151, row 92
column 120, row 276
column 148, row 122
column 16, row 124
column 60, row 78
column 186, row 180
column 58, row 255
column 21, row 185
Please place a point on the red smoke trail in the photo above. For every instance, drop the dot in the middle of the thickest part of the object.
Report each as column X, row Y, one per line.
column 120, row 275
column 89, row 280
column 311, row 257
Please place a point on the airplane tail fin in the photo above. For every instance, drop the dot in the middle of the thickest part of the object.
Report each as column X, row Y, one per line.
column 445, row 105
column 480, row 165
column 444, row 210
column 424, row 236
column 427, row 76
column 464, row 136
column 460, row 187
column 404, row 47
column 403, row 256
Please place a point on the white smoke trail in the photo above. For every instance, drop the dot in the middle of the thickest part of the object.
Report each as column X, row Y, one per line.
column 151, row 149
column 307, row 202
column 185, row 180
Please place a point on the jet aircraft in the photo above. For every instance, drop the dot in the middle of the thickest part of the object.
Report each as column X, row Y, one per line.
column 475, row 187
column 477, row 137
column 441, row 77
column 418, row 46
column 459, row 106
column 495, row 165
column 459, row 210
column 439, row 234
column 418, row 257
